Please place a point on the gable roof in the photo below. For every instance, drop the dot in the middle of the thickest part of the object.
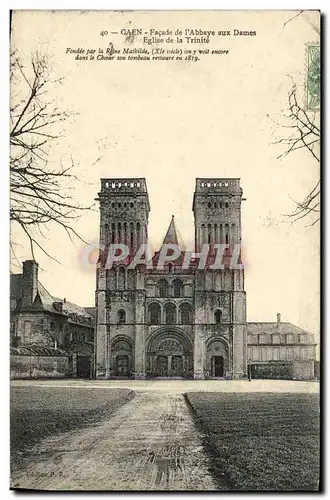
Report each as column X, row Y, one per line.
column 46, row 299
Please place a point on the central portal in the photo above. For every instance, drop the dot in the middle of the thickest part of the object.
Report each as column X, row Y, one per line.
column 170, row 366
column 162, row 366
column 169, row 355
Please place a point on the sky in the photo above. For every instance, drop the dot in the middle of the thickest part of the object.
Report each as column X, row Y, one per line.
column 173, row 121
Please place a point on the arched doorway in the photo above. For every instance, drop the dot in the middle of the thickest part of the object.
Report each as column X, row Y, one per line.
column 170, row 354
column 121, row 363
column 217, row 358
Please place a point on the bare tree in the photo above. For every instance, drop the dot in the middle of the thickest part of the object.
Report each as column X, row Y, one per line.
column 40, row 190
column 303, row 132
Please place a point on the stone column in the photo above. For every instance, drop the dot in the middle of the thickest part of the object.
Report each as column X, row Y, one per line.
column 101, row 336
column 199, row 354
column 135, row 243
column 212, row 235
column 169, row 365
column 140, row 327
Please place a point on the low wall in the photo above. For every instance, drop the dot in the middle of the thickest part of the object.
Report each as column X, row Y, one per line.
column 39, row 366
column 303, row 370
column 295, row 370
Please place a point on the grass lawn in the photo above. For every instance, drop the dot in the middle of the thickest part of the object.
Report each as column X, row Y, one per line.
column 260, row 441
column 39, row 412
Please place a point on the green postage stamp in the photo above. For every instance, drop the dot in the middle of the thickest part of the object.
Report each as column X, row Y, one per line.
column 313, row 83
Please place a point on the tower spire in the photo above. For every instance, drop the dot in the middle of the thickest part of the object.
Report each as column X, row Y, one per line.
column 171, row 235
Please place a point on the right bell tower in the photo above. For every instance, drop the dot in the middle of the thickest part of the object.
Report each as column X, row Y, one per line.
column 220, row 299
column 217, row 212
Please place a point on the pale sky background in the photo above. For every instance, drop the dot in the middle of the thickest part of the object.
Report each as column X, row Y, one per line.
column 172, row 122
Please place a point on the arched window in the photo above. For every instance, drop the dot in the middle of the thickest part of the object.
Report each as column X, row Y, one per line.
column 170, row 314
column 202, row 233
column 218, row 316
column 121, row 316
column 121, row 278
column 227, row 234
column 233, row 229
column 113, row 233
column 185, row 314
column 131, row 227
column 138, row 234
column 163, row 288
column 154, row 314
column 177, row 288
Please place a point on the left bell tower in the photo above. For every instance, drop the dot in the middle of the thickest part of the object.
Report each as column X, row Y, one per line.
column 124, row 214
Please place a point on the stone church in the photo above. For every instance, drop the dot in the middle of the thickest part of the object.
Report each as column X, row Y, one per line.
column 184, row 319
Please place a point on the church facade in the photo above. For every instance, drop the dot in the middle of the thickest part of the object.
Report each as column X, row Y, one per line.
column 182, row 316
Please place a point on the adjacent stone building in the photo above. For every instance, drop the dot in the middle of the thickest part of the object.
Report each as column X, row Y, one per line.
column 184, row 320
column 54, row 336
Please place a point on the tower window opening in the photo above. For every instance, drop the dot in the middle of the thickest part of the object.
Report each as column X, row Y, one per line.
column 209, row 205
column 121, row 278
column 218, row 316
column 121, row 317
column 131, row 204
column 220, row 204
column 125, row 233
column 226, row 204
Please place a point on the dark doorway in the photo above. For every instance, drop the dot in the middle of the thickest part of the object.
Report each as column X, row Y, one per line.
column 162, row 366
column 122, row 366
column 83, row 367
column 218, row 366
column 177, row 366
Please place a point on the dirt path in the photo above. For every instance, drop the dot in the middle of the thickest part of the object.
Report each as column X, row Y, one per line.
column 148, row 444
